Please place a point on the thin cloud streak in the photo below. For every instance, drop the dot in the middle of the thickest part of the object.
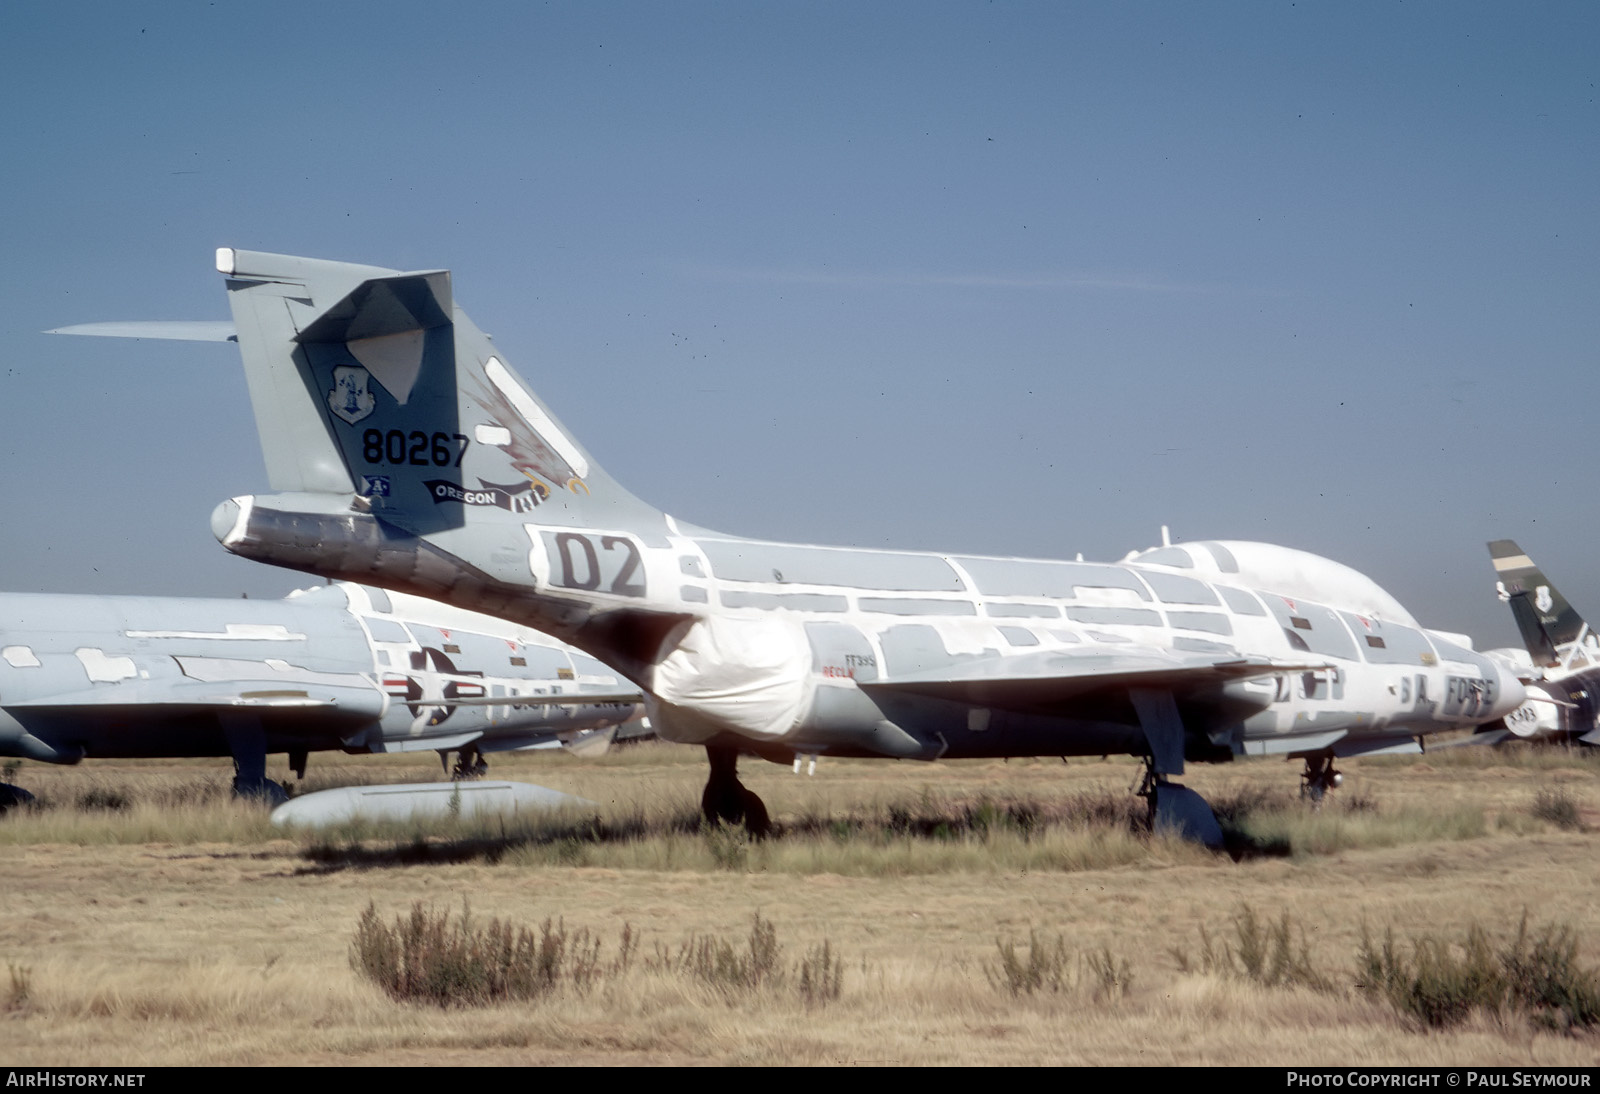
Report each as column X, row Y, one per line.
column 903, row 279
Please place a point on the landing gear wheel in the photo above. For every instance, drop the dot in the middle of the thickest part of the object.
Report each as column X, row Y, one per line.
column 726, row 800
column 262, row 790
column 1318, row 778
column 470, row 764
column 756, row 821
column 1178, row 809
column 13, row 796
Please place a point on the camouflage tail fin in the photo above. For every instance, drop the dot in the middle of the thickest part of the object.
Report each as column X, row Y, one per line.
column 1547, row 622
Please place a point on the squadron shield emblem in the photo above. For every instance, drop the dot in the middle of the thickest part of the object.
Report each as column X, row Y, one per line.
column 1543, row 600
column 351, row 399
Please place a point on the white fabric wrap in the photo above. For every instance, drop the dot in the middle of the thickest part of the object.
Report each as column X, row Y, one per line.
column 751, row 675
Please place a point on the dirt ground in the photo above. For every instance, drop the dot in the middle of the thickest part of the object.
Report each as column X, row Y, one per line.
column 236, row 950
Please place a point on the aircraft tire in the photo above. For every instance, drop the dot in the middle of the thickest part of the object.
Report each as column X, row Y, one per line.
column 13, row 796
column 268, row 792
column 756, row 820
column 1186, row 813
column 723, row 804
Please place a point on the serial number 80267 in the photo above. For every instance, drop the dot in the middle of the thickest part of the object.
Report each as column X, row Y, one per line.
column 416, row 448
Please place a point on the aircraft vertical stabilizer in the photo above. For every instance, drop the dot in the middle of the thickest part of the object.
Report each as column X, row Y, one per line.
column 1547, row 622
column 370, row 382
column 405, row 452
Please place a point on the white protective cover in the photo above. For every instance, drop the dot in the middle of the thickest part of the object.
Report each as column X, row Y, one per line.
column 749, row 674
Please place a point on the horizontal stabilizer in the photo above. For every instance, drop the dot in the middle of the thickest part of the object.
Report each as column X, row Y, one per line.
column 170, row 330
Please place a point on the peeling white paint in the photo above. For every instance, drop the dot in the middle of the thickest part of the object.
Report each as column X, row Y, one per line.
column 20, row 657
column 231, row 632
column 103, row 669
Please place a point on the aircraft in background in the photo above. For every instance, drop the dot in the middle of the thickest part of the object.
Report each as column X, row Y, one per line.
column 406, row 453
column 1561, row 665
column 333, row 667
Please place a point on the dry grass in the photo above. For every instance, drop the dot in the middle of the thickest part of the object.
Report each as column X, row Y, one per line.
column 178, row 931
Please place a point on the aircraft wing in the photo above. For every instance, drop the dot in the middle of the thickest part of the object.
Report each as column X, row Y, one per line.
column 1045, row 679
column 149, row 698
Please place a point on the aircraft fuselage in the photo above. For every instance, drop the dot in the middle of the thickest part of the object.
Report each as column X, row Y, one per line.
column 330, row 668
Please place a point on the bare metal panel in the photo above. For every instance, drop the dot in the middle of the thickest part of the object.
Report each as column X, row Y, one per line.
column 916, row 647
column 891, row 606
column 1200, row 645
column 1024, row 577
column 1318, row 627
column 745, row 560
column 1167, row 556
column 1241, row 602
column 1215, row 622
column 1023, row 611
column 1128, row 617
column 1388, row 643
column 798, row 602
column 1176, row 589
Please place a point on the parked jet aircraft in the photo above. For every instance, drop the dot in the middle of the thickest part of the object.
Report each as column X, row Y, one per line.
column 333, row 667
column 1562, row 666
column 406, row 453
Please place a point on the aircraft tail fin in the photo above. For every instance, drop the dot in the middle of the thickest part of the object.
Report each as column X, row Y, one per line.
column 1547, row 622
column 371, row 382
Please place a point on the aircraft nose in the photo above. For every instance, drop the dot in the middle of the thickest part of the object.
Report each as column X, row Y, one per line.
column 1509, row 692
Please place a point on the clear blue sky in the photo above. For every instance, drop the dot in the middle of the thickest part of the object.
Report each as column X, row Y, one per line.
column 1000, row 277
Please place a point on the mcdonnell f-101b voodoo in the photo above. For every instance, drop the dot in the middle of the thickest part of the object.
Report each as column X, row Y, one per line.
column 332, row 667
column 405, row 452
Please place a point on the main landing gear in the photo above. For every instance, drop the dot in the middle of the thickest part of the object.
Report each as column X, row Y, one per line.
column 248, row 743
column 470, row 764
column 1178, row 808
column 725, row 798
column 1319, row 777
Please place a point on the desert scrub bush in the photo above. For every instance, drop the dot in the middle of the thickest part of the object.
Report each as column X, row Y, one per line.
column 21, row 987
column 1441, row 983
column 1556, row 806
column 1051, row 967
column 738, row 971
column 820, row 976
column 1261, row 952
column 426, row 957
column 720, row 964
